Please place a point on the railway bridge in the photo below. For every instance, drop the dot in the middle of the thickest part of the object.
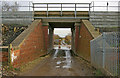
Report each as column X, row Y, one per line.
column 37, row 39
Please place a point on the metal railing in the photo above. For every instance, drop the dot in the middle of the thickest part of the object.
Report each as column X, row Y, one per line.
column 0, row 15
column 105, row 51
column 104, row 6
column 26, row 10
column 61, row 7
column 17, row 12
column 104, row 13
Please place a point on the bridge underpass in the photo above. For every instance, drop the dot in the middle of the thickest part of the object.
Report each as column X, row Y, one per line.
column 60, row 23
column 74, row 30
column 37, row 41
column 62, row 62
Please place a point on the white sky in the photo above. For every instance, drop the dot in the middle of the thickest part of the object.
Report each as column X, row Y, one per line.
column 61, row 1
column 62, row 32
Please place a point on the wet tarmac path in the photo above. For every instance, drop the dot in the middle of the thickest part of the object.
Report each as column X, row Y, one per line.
column 61, row 63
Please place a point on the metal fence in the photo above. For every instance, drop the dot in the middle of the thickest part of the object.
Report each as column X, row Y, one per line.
column 119, row 14
column 104, row 13
column 61, row 7
column 17, row 12
column 0, row 13
column 105, row 52
column 104, row 6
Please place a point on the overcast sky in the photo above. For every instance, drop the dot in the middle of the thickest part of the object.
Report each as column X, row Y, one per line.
column 60, row 1
column 62, row 32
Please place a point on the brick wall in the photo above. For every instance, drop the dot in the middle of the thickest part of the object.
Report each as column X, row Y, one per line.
column 51, row 39
column 76, row 36
column 45, row 30
column 4, row 54
column 87, row 33
column 29, row 45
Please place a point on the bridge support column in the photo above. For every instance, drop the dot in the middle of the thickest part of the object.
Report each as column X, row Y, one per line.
column 73, row 39
column 76, row 35
column 50, row 38
column 45, row 30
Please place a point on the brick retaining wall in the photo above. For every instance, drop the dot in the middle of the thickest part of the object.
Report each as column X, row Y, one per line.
column 87, row 33
column 4, row 54
column 29, row 45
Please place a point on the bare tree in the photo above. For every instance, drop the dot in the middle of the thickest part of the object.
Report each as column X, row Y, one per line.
column 15, row 7
column 8, row 7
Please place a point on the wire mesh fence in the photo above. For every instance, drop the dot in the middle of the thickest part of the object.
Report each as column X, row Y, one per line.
column 0, row 15
column 104, row 13
column 16, row 12
column 119, row 14
column 105, row 52
column 104, row 6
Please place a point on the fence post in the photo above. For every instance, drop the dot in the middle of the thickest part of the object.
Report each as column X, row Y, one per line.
column 29, row 6
column 103, row 49
column 118, row 52
column 91, row 49
column 89, row 7
column 118, row 41
column 33, row 11
column 89, row 10
column 75, row 10
column 9, row 54
column 107, row 6
column 47, row 10
column 61, row 9
column 93, row 6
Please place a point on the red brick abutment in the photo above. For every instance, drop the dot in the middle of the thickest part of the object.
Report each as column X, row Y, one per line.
column 29, row 45
column 83, row 34
column 35, row 41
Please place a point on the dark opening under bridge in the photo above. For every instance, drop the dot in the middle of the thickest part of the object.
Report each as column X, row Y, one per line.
column 37, row 39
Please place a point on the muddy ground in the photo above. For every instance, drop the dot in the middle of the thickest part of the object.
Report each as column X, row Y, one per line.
column 61, row 63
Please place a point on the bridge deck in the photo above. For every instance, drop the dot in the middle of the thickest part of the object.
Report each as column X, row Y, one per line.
column 57, row 14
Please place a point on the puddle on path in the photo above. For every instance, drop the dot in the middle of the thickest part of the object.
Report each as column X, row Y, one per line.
column 65, row 61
